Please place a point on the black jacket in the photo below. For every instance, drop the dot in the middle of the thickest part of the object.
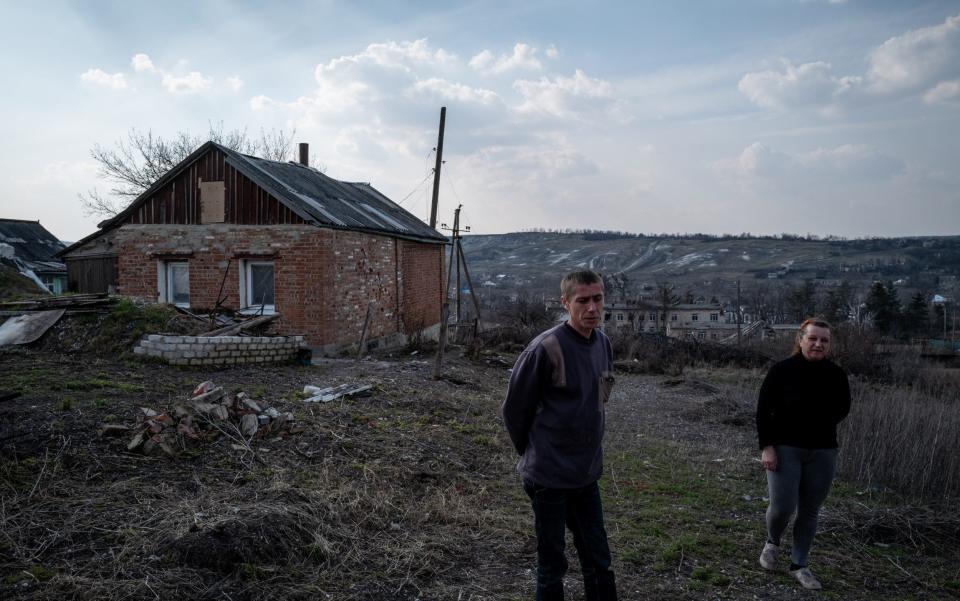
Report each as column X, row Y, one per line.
column 801, row 402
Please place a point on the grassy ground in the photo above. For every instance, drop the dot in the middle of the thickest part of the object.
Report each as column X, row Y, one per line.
column 407, row 494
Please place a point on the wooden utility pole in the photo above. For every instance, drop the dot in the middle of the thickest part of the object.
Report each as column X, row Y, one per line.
column 456, row 255
column 436, row 170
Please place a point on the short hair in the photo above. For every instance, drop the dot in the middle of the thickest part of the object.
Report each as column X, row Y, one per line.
column 584, row 277
column 802, row 330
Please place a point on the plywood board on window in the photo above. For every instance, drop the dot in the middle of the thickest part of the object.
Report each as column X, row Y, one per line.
column 211, row 202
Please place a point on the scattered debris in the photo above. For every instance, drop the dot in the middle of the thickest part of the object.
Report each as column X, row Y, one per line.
column 245, row 325
column 210, row 413
column 72, row 303
column 325, row 395
column 24, row 329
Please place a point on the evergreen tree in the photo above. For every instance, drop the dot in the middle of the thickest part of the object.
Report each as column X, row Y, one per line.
column 884, row 305
column 916, row 318
column 836, row 307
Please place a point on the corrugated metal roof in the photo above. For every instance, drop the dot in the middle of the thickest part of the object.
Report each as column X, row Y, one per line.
column 30, row 240
column 309, row 193
column 330, row 202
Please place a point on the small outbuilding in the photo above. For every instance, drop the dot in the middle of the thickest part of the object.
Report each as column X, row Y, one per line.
column 224, row 229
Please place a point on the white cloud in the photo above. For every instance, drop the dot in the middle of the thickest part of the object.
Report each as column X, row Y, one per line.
column 235, row 83
column 482, row 60
column 192, row 83
column 454, row 91
column 562, row 96
column 523, row 57
column 855, row 162
column 795, row 85
column 117, row 81
column 392, row 55
column 945, row 92
column 261, row 102
column 552, row 52
column 914, row 62
column 917, row 59
column 142, row 62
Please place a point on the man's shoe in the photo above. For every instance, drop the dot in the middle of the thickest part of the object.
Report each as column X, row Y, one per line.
column 806, row 578
column 768, row 557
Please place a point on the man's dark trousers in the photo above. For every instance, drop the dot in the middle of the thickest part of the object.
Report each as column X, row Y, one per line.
column 579, row 509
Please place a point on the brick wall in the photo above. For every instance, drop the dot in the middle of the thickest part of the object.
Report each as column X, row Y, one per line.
column 220, row 350
column 323, row 278
column 422, row 285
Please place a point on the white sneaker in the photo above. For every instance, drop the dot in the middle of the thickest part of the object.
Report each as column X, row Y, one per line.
column 768, row 557
column 806, row 578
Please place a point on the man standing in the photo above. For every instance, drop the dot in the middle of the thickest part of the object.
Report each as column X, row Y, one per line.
column 555, row 413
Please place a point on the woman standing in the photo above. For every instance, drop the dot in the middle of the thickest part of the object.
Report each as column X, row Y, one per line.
column 802, row 400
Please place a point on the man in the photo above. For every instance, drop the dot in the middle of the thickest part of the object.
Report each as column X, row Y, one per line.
column 554, row 413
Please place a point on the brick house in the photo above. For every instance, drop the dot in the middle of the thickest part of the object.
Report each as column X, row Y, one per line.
column 265, row 236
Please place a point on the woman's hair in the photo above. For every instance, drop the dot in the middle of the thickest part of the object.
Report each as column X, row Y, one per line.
column 810, row 321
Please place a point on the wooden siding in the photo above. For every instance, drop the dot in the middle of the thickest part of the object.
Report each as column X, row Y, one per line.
column 96, row 274
column 245, row 203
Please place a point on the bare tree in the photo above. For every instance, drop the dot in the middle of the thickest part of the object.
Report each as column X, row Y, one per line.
column 133, row 165
column 666, row 300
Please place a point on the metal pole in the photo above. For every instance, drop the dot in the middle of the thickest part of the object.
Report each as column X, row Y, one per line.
column 436, row 170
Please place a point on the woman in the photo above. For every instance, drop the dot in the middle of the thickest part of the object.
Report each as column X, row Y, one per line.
column 802, row 400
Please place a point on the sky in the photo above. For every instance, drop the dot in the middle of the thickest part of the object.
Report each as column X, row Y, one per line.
column 825, row 117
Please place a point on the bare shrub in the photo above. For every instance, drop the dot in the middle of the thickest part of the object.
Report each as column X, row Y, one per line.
column 655, row 353
column 903, row 439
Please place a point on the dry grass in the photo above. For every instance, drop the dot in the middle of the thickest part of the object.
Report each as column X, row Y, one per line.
column 902, row 439
column 408, row 494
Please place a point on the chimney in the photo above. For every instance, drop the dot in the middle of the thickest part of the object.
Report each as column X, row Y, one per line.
column 304, row 154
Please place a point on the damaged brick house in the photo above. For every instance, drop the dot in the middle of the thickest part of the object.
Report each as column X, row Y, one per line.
column 259, row 235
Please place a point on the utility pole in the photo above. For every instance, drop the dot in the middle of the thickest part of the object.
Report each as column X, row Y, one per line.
column 454, row 250
column 436, row 170
column 456, row 255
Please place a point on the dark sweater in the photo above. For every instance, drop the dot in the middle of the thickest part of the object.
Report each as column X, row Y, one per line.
column 554, row 409
column 801, row 402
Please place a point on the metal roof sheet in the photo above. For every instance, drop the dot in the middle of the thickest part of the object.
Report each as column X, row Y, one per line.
column 331, row 202
column 30, row 240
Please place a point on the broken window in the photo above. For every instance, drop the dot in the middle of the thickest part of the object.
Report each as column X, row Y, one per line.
column 174, row 284
column 256, row 286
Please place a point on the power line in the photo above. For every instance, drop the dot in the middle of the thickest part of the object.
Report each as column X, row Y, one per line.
column 417, row 187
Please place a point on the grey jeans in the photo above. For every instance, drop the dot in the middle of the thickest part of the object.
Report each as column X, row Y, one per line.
column 800, row 484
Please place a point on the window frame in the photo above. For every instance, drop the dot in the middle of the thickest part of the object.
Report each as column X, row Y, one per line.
column 166, row 293
column 247, row 304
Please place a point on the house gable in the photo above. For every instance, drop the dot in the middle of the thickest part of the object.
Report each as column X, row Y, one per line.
column 179, row 199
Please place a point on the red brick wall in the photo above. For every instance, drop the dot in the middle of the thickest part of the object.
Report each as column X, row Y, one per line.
column 421, row 283
column 323, row 278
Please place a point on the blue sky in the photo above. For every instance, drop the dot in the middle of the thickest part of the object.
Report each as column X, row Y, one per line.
column 763, row 116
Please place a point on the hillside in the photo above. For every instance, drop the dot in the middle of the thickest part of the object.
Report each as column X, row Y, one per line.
column 709, row 265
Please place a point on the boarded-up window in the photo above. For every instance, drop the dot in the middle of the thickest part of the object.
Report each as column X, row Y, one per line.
column 211, row 202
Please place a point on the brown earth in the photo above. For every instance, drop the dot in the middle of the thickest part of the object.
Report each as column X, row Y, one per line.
column 409, row 493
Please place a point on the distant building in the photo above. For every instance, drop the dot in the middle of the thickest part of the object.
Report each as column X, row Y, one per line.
column 29, row 248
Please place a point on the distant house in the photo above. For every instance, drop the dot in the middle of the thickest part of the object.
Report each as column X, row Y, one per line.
column 29, row 248
column 695, row 320
column 248, row 234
